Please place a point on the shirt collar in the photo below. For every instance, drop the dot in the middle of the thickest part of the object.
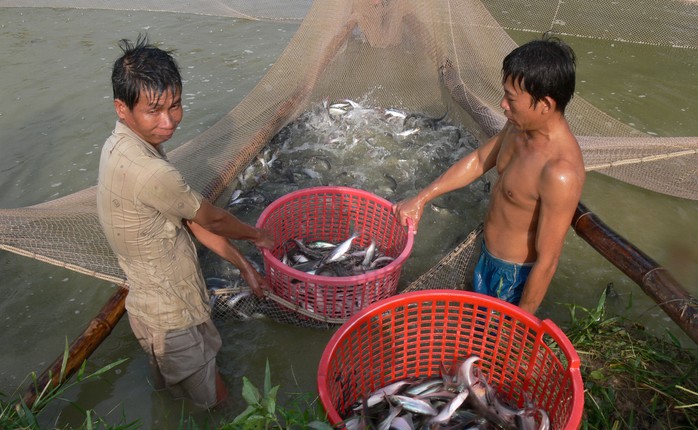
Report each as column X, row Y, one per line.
column 122, row 128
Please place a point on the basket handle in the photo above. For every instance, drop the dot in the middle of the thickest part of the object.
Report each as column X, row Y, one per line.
column 562, row 340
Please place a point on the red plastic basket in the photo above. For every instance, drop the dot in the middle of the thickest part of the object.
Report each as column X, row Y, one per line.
column 332, row 214
column 412, row 334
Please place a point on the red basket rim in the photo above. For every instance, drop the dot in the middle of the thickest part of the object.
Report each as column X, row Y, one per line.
column 331, row 280
column 574, row 421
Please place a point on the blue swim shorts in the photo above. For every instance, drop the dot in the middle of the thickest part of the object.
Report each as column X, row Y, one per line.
column 499, row 278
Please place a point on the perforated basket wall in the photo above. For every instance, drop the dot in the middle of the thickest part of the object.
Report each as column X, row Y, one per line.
column 412, row 334
column 332, row 214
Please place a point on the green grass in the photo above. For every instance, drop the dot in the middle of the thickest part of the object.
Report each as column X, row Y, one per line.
column 16, row 414
column 632, row 380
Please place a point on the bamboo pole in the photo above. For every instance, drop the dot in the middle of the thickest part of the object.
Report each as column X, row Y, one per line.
column 81, row 348
column 655, row 280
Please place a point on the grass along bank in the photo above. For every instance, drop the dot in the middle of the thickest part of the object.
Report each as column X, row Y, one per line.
column 632, row 379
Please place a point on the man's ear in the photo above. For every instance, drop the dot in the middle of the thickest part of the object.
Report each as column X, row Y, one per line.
column 549, row 104
column 120, row 108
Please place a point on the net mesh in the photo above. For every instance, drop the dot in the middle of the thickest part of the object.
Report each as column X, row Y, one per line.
column 439, row 58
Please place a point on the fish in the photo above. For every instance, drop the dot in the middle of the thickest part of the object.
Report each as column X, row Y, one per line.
column 413, row 404
column 395, row 114
column 214, row 284
column 445, row 402
column 387, row 422
column 368, row 255
column 402, row 423
column 380, row 394
column 234, row 196
column 321, row 244
column 336, row 111
column 381, row 262
column 447, row 412
column 308, row 250
column 466, row 373
column 409, row 132
column 353, row 104
column 424, row 387
column 341, row 249
column 525, row 419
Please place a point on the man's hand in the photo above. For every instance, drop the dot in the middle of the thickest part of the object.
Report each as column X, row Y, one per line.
column 264, row 241
column 226, row 250
column 411, row 208
column 255, row 281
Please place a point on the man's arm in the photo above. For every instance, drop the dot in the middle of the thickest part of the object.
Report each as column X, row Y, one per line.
column 222, row 223
column 222, row 246
column 459, row 175
column 561, row 189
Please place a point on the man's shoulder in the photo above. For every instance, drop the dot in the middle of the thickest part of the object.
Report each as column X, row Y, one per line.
column 564, row 174
column 123, row 146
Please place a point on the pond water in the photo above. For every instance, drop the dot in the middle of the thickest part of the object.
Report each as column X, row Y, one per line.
column 57, row 111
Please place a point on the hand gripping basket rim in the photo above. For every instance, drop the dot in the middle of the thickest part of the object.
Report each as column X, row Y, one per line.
column 543, row 327
column 329, row 280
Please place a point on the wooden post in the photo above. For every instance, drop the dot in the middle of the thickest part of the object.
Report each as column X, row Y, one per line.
column 82, row 347
column 655, row 280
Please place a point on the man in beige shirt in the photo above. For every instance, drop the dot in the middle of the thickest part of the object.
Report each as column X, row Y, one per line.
column 145, row 206
column 540, row 176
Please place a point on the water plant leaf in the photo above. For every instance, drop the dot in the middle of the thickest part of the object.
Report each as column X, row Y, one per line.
column 597, row 375
column 244, row 415
column 255, row 422
column 270, row 400
column 250, row 393
column 267, row 379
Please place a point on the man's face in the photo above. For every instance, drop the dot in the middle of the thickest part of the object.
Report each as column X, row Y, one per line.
column 518, row 104
column 153, row 119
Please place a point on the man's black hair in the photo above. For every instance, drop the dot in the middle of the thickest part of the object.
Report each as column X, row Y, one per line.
column 543, row 68
column 144, row 67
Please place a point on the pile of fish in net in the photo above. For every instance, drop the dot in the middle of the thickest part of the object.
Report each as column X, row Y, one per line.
column 454, row 400
column 387, row 152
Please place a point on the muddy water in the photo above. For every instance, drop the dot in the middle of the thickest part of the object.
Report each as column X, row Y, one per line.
column 56, row 112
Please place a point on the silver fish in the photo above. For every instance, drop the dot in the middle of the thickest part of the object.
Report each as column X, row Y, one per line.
column 395, row 114
column 423, row 387
column 353, row 104
column 237, row 297
column 409, row 132
column 387, row 422
column 402, row 423
column 525, row 419
column 448, row 411
column 336, row 111
column 370, row 252
column 413, row 405
column 321, row 245
column 308, row 250
column 379, row 395
column 466, row 374
column 382, row 261
column 341, row 249
column 234, row 196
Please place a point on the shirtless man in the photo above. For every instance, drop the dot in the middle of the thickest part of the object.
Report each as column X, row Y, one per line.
column 541, row 175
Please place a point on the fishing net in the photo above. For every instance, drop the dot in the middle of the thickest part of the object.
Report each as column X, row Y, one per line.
column 441, row 59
